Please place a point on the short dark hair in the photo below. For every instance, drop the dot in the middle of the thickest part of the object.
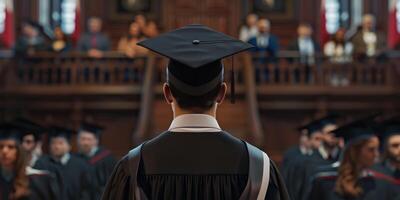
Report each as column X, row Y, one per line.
column 189, row 102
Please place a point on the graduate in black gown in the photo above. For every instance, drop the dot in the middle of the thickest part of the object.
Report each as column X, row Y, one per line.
column 294, row 157
column 326, row 155
column 354, row 180
column 72, row 172
column 390, row 140
column 195, row 158
column 17, row 180
column 101, row 160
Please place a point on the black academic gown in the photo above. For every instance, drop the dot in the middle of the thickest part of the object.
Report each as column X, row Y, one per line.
column 374, row 188
column 290, row 166
column 384, row 168
column 189, row 166
column 102, row 163
column 306, row 171
column 42, row 186
column 75, row 176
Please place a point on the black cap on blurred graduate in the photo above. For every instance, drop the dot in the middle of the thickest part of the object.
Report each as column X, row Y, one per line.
column 94, row 129
column 195, row 53
column 329, row 119
column 311, row 128
column 30, row 127
column 356, row 130
column 57, row 131
column 11, row 131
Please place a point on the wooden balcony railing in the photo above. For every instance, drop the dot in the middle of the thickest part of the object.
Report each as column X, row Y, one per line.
column 142, row 77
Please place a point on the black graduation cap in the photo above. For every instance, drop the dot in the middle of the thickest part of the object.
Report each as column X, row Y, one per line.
column 30, row 127
column 358, row 129
column 95, row 129
column 11, row 131
column 310, row 128
column 57, row 131
column 328, row 119
column 195, row 53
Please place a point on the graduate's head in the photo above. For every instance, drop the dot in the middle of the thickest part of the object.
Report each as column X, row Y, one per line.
column 361, row 142
column 360, row 154
column 390, row 137
column 12, row 156
column 188, row 99
column 195, row 72
column 314, row 134
column 88, row 137
column 31, row 135
column 59, row 141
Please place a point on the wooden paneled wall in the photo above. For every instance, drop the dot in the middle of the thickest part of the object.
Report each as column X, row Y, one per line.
column 223, row 15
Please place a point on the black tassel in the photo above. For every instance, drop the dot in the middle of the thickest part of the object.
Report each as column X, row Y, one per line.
column 233, row 96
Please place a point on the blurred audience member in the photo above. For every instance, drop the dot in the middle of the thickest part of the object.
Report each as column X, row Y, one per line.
column 265, row 51
column 264, row 42
column 338, row 49
column 94, row 42
column 151, row 29
column 142, row 21
column 31, row 40
column 366, row 41
column 60, row 42
column 249, row 29
column 304, row 44
column 128, row 44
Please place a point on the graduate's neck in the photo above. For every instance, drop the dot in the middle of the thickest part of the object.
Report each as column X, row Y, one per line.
column 177, row 111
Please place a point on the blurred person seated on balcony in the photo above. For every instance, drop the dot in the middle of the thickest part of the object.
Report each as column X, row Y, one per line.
column 31, row 39
column 264, row 42
column 305, row 44
column 141, row 20
column 249, row 29
column 94, row 42
column 128, row 44
column 60, row 42
column 264, row 51
column 339, row 50
column 367, row 41
column 151, row 29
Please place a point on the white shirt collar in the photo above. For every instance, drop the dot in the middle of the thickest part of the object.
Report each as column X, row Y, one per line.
column 64, row 159
column 93, row 151
column 194, row 123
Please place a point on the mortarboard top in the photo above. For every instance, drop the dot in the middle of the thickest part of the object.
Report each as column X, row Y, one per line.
column 11, row 131
column 328, row 119
column 195, row 53
column 30, row 127
column 311, row 128
column 358, row 129
column 92, row 128
column 57, row 131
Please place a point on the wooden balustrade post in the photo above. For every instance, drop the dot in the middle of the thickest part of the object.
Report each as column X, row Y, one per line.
column 251, row 101
column 146, row 101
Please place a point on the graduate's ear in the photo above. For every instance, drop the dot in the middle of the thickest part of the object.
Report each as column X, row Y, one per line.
column 222, row 93
column 167, row 93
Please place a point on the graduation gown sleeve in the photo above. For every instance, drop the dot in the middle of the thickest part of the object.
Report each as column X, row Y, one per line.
column 276, row 187
column 119, row 185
